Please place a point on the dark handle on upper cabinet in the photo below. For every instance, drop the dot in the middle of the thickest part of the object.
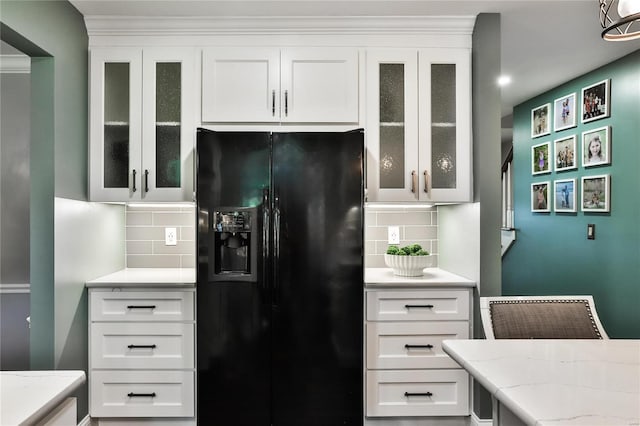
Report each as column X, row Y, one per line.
column 141, row 306
column 146, row 180
column 418, row 306
column 132, row 395
column 141, row 346
column 426, row 182
column 134, row 181
column 273, row 103
column 286, row 103
column 418, row 346
column 408, row 394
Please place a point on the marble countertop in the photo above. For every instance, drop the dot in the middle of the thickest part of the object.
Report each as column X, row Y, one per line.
column 557, row 382
column 26, row 396
column 147, row 277
column 384, row 277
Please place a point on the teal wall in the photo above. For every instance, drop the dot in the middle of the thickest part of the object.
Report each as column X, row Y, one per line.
column 552, row 254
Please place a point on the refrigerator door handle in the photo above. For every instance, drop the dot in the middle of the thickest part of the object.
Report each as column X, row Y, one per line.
column 276, row 248
column 266, row 217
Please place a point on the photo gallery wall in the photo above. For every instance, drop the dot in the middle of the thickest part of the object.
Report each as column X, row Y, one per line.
column 567, row 151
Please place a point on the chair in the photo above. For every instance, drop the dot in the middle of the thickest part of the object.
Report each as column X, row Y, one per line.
column 541, row 317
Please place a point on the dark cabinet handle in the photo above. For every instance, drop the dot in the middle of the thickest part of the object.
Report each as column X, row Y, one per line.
column 418, row 346
column 134, row 181
column 133, row 395
column 141, row 306
column 413, row 181
column 286, row 103
column 141, row 346
column 418, row 306
column 273, row 103
column 426, row 182
column 408, row 394
column 146, row 180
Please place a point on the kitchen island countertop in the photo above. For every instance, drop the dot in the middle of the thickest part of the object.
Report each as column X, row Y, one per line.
column 147, row 277
column 384, row 277
column 27, row 396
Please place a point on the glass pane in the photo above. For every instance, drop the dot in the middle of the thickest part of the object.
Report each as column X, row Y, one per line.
column 392, row 142
column 443, row 125
column 168, row 104
column 116, row 125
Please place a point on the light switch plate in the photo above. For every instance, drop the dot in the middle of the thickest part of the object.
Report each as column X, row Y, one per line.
column 170, row 237
column 394, row 234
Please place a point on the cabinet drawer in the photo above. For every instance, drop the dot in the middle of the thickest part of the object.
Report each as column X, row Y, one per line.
column 142, row 393
column 418, row 305
column 417, row 393
column 398, row 345
column 142, row 345
column 141, row 306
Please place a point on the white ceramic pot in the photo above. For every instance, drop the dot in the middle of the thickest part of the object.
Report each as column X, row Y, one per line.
column 407, row 266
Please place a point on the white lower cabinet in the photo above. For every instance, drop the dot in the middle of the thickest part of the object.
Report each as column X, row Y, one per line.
column 141, row 355
column 407, row 372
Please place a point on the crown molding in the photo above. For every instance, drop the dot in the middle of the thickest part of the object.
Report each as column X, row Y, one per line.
column 15, row 64
column 203, row 25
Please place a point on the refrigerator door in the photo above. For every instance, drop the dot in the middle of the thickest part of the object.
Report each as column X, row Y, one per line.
column 317, row 198
column 233, row 315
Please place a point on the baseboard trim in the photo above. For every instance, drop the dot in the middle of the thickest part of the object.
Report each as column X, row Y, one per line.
column 477, row 421
column 85, row 422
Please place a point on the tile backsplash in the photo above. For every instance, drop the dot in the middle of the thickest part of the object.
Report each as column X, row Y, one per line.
column 145, row 237
column 417, row 225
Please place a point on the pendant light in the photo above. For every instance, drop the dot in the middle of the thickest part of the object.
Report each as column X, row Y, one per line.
column 620, row 19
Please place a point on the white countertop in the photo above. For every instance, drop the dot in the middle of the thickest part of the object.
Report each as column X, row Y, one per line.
column 384, row 277
column 147, row 277
column 558, row 382
column 26, row 396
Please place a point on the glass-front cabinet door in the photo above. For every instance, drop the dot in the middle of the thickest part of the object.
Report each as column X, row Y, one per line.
column 392, row 125
column 445, row 124
column 141, row 125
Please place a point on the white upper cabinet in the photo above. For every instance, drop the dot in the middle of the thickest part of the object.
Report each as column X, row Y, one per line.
column 419, row 125
column 142, row 126
column 292, row 85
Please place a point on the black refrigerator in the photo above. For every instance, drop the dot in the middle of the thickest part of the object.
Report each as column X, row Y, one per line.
column 280, row 278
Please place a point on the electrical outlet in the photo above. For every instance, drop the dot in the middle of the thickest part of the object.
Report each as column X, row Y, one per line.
column 170, row 237
column 394, row 234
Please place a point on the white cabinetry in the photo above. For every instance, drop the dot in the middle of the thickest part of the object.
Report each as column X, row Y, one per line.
column 419, row 125
column 141, row 124
column 292, row 85
column 407, row 372
column 141, row 352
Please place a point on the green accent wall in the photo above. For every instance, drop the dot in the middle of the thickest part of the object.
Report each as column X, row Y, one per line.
column 552, row 254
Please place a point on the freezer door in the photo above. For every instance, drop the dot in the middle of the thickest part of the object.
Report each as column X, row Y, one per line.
column 317, row 194
column 233, row 315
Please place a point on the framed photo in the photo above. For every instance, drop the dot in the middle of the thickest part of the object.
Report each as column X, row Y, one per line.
column 540, row 123
column 596, row 147
column 596, row 193
column 564, row 153
column 564, row 112
column 540, row 197
column 564, row 195
column 541, row 158
column 595, row 101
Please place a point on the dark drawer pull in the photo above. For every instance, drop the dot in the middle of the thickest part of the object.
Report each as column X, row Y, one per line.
column 141, row 346
column 134, row 395
column 141, row 307
column 408, row 394
column 418, row 346
column 418, row 306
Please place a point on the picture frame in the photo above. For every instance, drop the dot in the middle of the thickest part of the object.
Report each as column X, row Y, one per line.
column 564, row 112
column 540, row 120
column 596, row 101
column 564, row 195
column 540, row 197
column 596, row 193
column 564, row 153
column 596, row 147
column 541, row 158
